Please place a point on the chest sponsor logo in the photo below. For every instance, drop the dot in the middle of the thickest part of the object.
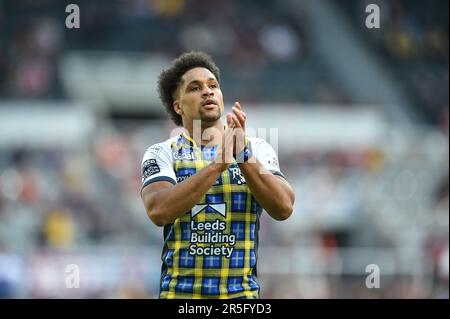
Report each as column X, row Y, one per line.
column 220, row 208
column 209, row 238
column 183, row 156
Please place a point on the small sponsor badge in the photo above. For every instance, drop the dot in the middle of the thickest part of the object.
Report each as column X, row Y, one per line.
column 149, row 168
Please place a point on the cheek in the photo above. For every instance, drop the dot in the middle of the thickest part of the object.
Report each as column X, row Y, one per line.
column 219, row 96
column 189, row 104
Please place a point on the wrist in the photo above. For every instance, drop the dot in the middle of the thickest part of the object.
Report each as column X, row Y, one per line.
column 245, row 154
column 218, row 168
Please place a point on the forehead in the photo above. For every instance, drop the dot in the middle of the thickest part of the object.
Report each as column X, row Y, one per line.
column 197, row 74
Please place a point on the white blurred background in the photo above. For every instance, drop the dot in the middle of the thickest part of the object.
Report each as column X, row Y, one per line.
column 362, row 124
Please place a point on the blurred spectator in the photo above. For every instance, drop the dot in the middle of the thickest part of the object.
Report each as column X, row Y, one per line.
column 280, row 42
column 169, row 8
column 58, row 229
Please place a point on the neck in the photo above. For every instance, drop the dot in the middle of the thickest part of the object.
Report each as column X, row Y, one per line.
column 204, row 133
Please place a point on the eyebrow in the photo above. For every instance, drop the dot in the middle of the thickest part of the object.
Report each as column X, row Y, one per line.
column 198, row 81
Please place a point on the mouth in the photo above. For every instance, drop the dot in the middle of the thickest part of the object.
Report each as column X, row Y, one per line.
column 209, row 104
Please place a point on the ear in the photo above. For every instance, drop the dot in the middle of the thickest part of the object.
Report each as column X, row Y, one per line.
column 177, row 107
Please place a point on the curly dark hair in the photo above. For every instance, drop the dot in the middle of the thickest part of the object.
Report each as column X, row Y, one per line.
column 170, row 78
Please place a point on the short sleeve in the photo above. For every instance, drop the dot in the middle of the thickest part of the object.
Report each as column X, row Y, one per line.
column 266, row 155
column 157, row 165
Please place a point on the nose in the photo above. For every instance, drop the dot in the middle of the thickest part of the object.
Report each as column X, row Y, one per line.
column 207, row 92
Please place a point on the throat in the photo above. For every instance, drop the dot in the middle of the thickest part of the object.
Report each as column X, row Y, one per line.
column 209, row 134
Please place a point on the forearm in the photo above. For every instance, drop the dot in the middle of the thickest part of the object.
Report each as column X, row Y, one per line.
column 168, row 204
column 273, row 194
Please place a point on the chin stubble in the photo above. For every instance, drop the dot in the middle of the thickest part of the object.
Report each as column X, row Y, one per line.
column 210, row 118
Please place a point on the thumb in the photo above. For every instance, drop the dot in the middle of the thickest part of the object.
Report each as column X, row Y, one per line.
column 229, row 120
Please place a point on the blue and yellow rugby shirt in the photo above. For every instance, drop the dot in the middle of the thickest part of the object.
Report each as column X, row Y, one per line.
column 211, row 251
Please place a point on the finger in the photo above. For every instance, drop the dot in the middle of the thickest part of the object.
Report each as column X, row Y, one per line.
column 230, row 120
column 228, row 143
column 235, row 109
column 228, row 146
column 237, row 122
column 239, row 114
column 238, row 105
column 229, row 129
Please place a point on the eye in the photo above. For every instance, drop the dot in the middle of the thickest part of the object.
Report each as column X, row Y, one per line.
column 194, row 88
column 213, row 86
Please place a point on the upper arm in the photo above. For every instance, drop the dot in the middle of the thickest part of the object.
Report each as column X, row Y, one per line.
column 157, row 166
column 266, row 155
column 287, row 187
column 268, row 158
column 156, row 170
column 152, row 188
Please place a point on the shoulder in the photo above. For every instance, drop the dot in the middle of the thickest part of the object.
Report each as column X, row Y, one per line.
column 266, row 155
column 256, row 140
column 258, row 143
column 263, row 151
column 162, row 146
column 162, row 149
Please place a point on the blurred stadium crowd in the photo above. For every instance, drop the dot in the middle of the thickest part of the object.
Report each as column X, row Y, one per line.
column 267, row 46
column 415, row 46
column 385, row 204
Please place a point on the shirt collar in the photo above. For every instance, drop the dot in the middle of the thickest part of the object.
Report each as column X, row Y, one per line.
column 189, row 140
